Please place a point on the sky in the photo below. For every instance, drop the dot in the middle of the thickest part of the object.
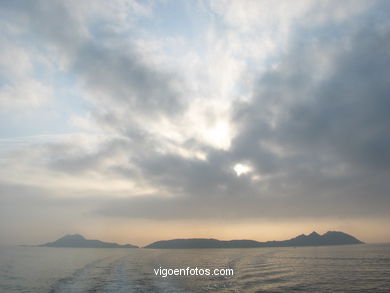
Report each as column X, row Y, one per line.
column 137, row 121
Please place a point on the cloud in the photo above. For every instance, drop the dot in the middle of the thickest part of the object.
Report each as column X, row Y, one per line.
column 19, row 87
column 315, row 133
column 327, row 96
column 299, row 98
column 109, row 70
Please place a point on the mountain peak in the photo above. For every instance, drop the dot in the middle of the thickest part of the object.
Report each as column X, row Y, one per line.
column 77, row 240
column 313, row 239
column 335, row 233
column 73, row 237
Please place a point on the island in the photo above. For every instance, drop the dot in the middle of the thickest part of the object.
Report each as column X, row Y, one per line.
column 78, row 241
column 313, row 239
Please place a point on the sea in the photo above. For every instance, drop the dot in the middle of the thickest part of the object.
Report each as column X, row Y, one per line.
column 350, row 268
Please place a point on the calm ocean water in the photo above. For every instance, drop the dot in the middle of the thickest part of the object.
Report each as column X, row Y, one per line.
column 355, row 268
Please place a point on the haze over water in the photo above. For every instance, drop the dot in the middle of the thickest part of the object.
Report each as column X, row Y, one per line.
column 133, row 121
column 223, row 119
column 352, row 268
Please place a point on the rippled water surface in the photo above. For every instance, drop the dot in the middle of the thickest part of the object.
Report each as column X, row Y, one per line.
column 355, row 268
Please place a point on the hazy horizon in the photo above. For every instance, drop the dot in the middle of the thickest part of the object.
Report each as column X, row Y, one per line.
column 209, row 237
column 136, row 121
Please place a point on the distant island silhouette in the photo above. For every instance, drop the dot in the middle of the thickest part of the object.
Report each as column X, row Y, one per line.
column 78, row 241
column 313, row 239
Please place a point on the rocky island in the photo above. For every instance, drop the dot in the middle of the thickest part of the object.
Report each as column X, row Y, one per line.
column 76, row 240
column 313, row 239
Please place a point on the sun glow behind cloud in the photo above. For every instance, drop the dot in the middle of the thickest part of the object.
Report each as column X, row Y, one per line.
column 241, row 169
column 127, row 111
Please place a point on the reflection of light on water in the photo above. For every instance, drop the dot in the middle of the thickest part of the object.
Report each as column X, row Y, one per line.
column 302, row 269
